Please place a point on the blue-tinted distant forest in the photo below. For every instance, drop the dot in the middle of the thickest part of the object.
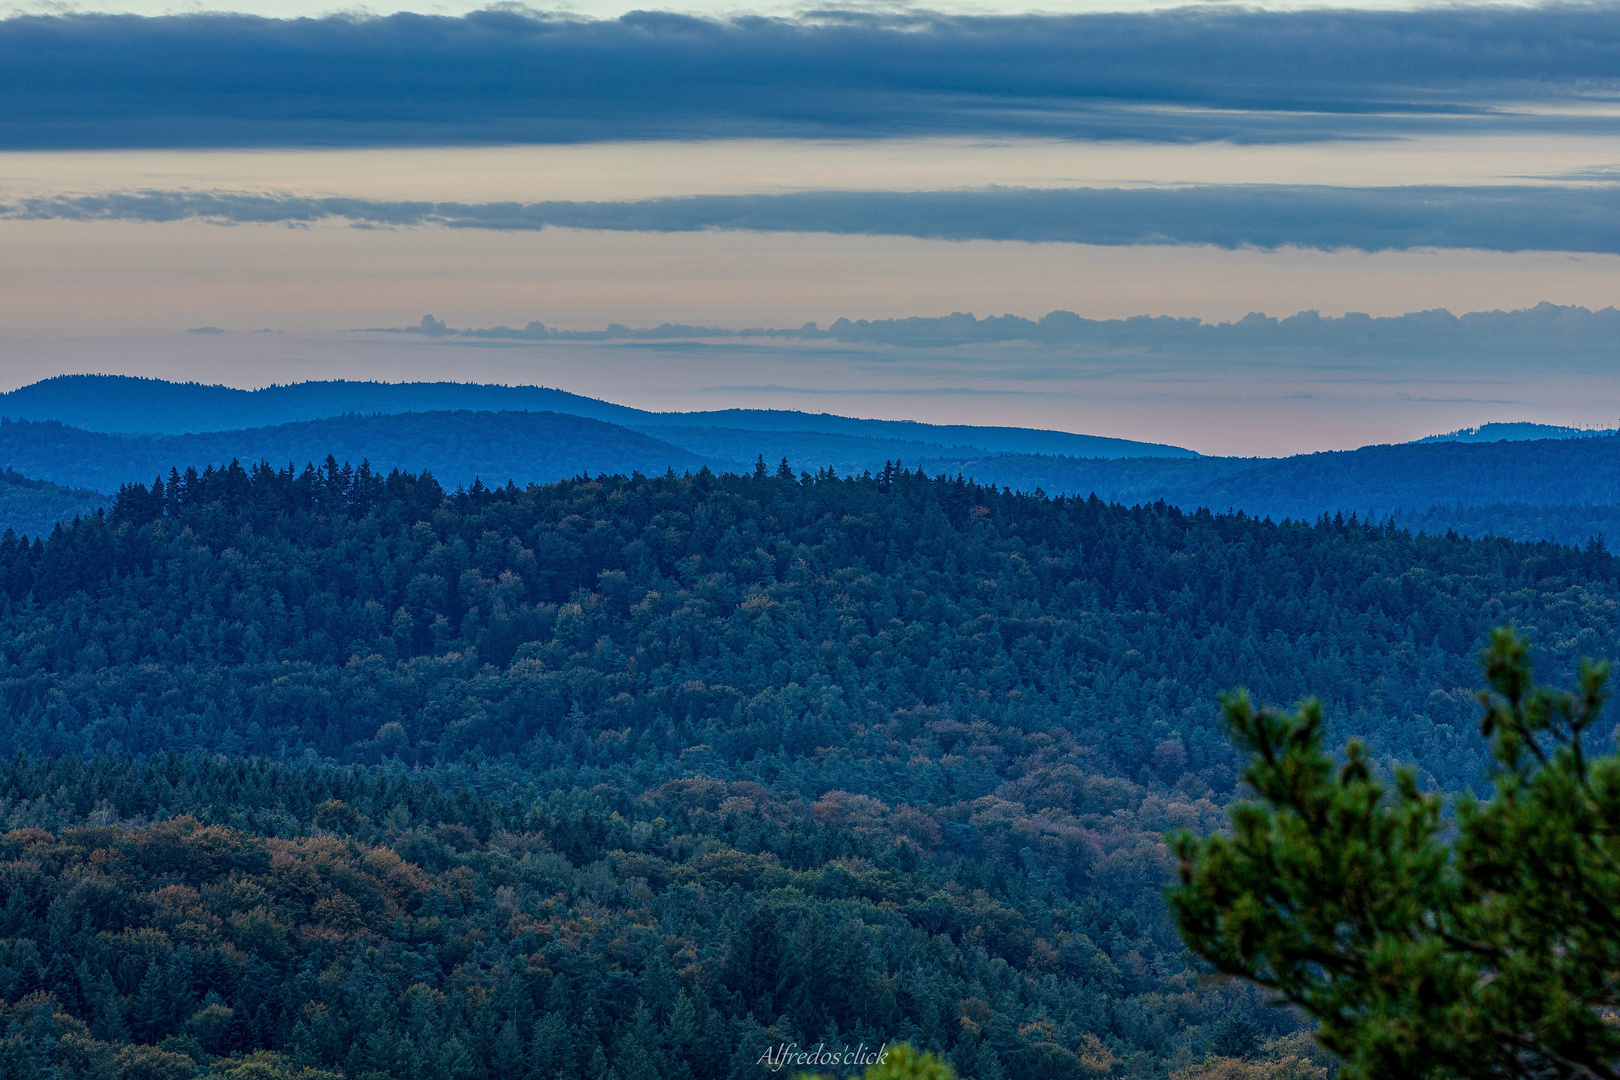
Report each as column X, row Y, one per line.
column 1546, row 485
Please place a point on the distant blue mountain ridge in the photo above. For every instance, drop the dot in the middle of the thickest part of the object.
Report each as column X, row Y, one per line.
column 95, row 433
column 1516, row 432
column 124, row 405
column 458, row 447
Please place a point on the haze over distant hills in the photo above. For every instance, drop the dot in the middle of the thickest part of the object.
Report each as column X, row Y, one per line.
column 1376, row 480
column 125, row 405
column 93, row 434
column 458, row 446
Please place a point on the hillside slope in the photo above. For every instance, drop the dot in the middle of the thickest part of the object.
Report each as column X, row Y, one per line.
column 33, row 507
column 644, row 775
column 1000, row 440
column 1577, row 524
column 1407, row 477
column 455, row 446
column 121, row 404
column 1517, row 431
column 125, row 405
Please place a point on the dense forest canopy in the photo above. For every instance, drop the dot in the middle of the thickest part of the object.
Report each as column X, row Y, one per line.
column 779, row 615
column 573, row 776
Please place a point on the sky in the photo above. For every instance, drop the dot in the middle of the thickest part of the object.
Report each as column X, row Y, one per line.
column 608, row 9
column 258, row 196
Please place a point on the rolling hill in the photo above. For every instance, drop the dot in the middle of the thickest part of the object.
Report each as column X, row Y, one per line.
column 1523, row 489
column 1405, row 477
column 120, row 404
column 456, row 446
column 345, row 770
column 33, row 507
column 1516, row 431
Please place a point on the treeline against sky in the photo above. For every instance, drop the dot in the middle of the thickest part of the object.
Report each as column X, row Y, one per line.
column 554, row 780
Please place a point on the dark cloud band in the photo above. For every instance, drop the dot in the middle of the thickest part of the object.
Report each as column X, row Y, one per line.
column 1570, row 335
column 500, row 75
column 1524, row 218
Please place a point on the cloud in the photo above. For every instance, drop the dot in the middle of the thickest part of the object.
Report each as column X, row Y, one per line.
column 539, row 331
column 1568, row 333
column 1547, row 329
column 1514, row 218
column 879, row 391
column 1544, row 330
column 507, row 75
column 1460, row 401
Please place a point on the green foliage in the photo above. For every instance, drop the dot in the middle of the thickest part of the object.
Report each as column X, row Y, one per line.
column 364, row 618
column 444, row 952
column 265, row 1065
column 901, row 1061
column 678, row 768
column 1488, row 945
column 1292, row 1057
column 654, row 942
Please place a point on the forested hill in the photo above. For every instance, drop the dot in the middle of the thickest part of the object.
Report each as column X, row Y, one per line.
column 646, row 774
column 1518, row 431
column 1405, row 477
column 120, row 404
column 457, row 447
column 460, row 446
column 126, row 405
column 1065, row 611
column 33, row 507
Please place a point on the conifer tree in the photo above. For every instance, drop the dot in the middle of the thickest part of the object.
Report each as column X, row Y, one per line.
column 1483, row 945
